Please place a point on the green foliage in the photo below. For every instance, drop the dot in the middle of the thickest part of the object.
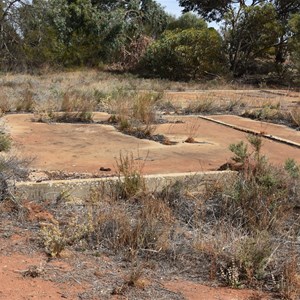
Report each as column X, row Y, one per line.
column 187, row 21
column 261, row 196
column 5, row 142
column 253, row 254
column 210, row 10
column 240, row 150
column 257, row 37
column 11, row 54
column 185, row 54
column 74, row 33
column 256, row 33
column 295, row 40
column 292, row 168
column 253, row 36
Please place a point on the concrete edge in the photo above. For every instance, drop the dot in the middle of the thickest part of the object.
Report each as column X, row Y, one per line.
column 81, row 188
column 251, row 131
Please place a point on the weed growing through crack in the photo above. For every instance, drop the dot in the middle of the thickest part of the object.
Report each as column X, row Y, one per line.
column 144, row 107
column 138, row 118
column 131, row 181
column 209, row 104
column 275, row 114
column 192, row 129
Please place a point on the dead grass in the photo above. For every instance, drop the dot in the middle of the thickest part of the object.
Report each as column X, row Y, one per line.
column 27, row 102
column 4, row 104
column 295, row 117
column 192, row 129
column 131, row 182
column 135, row 114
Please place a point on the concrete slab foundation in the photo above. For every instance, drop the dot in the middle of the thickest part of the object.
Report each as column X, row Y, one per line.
column 81, row 188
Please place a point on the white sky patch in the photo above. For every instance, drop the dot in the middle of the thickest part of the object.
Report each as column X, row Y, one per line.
column 171, row 6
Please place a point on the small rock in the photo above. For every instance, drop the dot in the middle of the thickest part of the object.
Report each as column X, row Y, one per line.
column 105, row 169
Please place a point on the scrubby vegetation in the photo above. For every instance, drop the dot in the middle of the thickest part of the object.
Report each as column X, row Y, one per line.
column 241, row 233
column 257, row 41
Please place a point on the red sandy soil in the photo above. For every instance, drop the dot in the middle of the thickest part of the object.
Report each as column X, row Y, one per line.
column 15, row 286
column 87, row 147
column 193, row 291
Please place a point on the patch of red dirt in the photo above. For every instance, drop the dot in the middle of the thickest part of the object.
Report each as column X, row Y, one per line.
column 35, row 212
column 194, row 291
column 14, row 286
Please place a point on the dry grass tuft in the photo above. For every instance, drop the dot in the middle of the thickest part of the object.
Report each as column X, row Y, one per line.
column 27, row 102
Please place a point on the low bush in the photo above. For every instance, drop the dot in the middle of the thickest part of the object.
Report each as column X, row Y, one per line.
column 262, row 197
column 5, row 142
column 185, row 54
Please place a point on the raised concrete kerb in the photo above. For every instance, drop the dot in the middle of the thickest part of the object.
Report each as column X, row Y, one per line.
column 251, row 131
column 81, row 188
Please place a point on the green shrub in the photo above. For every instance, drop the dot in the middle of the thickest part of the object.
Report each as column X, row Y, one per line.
column 5, row 142
column 185, row 54
column 292, row 168
column 261, row 197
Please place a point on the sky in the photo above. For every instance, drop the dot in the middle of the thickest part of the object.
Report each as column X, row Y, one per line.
column 171, row 6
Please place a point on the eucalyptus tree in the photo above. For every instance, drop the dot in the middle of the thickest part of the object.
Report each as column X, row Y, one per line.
column 185, row 54
column 253, row 30
column 295, row 41
column 10, row 41
column 186, row 21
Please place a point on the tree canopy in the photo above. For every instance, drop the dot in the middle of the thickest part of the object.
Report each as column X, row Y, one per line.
column 255, row 32
column 255, row 37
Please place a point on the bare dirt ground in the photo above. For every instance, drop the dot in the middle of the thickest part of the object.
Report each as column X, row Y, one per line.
column 88, row 147
column 28, row 273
